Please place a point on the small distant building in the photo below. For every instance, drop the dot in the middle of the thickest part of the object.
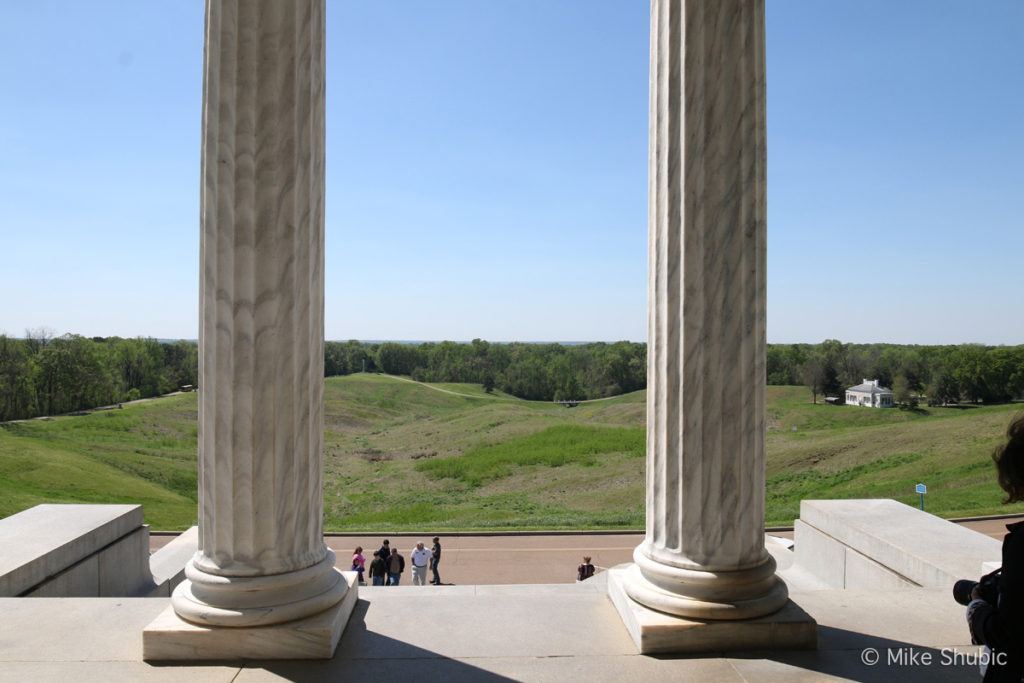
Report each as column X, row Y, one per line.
column 869, row 393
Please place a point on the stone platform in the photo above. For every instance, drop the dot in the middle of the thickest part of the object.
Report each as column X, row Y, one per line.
column 492, row 633
column 653, row 632
column 171, row 638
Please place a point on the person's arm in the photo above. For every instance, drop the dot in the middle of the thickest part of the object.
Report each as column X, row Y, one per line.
column 1001, row 626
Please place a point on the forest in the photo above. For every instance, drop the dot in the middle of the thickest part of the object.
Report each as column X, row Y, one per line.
column 41, row 374
column 45, row 375
column 941, row 374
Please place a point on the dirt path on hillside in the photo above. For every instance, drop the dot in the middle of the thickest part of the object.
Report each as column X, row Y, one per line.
column 455, row 393
column 87, row 411
column 490, row 398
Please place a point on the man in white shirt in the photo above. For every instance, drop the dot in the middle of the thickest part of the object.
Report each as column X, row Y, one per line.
column 420, row 560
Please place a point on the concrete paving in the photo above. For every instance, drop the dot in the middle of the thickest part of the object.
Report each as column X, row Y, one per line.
column 497, row 633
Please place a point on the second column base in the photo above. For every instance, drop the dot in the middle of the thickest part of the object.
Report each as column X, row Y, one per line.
column 171, row 638
column 654, row 632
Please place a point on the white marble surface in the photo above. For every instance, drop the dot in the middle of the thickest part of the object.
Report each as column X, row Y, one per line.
column 704, row 553
column 920, row 547
column 488, row 637
column 120, row 569
column 171, row 638
column 168, row 563
column 789, row 628
column 38, row 544
column 261, row 556
column 261, row 321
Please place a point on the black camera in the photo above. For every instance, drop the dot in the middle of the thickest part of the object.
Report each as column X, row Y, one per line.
column 988, row 589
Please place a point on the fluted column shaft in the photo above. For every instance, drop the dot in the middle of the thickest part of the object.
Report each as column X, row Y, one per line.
column 704, row 555
column 262, row 320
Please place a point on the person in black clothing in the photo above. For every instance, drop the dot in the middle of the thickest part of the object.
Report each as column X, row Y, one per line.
column 385, row 550
column 396, row 565
column 585, row 570
column 1001, row 626
column 435, row 559
column 378, row 570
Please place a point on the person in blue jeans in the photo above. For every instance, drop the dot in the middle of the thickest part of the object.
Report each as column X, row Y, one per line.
column 396, row 565
column 378, row 569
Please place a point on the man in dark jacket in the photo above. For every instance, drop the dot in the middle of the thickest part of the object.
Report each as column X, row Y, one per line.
column 1000, row 626
column 396, row 565
column 435, row 559
column 385, row 550
column 378, row 570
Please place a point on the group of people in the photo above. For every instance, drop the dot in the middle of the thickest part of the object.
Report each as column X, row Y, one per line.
column 388, row 564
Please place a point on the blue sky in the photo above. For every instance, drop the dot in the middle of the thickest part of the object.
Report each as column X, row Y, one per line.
column 487, row 169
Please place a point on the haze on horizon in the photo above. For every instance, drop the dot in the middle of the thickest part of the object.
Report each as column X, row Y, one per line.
column 487, row 170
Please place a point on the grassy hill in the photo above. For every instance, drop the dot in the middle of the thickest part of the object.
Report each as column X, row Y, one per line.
column 403, row 455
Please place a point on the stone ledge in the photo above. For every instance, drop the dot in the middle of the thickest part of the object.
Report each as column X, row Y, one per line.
column 170, row 638
column 654, row 632
column 168, row 563
column 916, row 545
column 39, row 543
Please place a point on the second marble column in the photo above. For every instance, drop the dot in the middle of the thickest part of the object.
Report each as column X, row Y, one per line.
column 703, row 556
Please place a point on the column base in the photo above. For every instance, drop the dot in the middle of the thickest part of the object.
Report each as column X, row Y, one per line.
column 790, row 628
column 171, row 638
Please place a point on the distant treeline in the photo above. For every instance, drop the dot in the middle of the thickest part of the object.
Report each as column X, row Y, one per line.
column 942, row 374
column 45, row 375
column 541, row 372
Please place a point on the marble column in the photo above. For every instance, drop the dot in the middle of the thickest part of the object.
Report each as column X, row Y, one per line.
column 704, row 556
column 262, row 558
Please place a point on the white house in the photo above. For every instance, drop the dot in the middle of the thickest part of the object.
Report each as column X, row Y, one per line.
column 869, row 393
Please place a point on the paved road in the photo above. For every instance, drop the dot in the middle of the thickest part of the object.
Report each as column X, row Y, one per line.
column 996, row 528
column 505, row 559
column 527, row 558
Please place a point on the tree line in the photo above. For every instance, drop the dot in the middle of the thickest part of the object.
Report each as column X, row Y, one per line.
column 939, row 374
column 45, row 375
column 540, row 372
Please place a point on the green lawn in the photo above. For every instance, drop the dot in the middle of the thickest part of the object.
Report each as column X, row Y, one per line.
column 398, row 455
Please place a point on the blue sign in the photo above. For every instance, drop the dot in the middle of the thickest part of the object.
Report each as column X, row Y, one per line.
column 921, row 488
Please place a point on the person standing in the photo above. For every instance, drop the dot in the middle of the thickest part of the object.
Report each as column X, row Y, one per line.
column 435, row 559
column 385, row 550
column 420, row 560
column 396, row 565
column 378, row 569
column 359, row 563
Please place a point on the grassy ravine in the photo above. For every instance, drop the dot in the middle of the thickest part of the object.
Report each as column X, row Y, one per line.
column 402, row 456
